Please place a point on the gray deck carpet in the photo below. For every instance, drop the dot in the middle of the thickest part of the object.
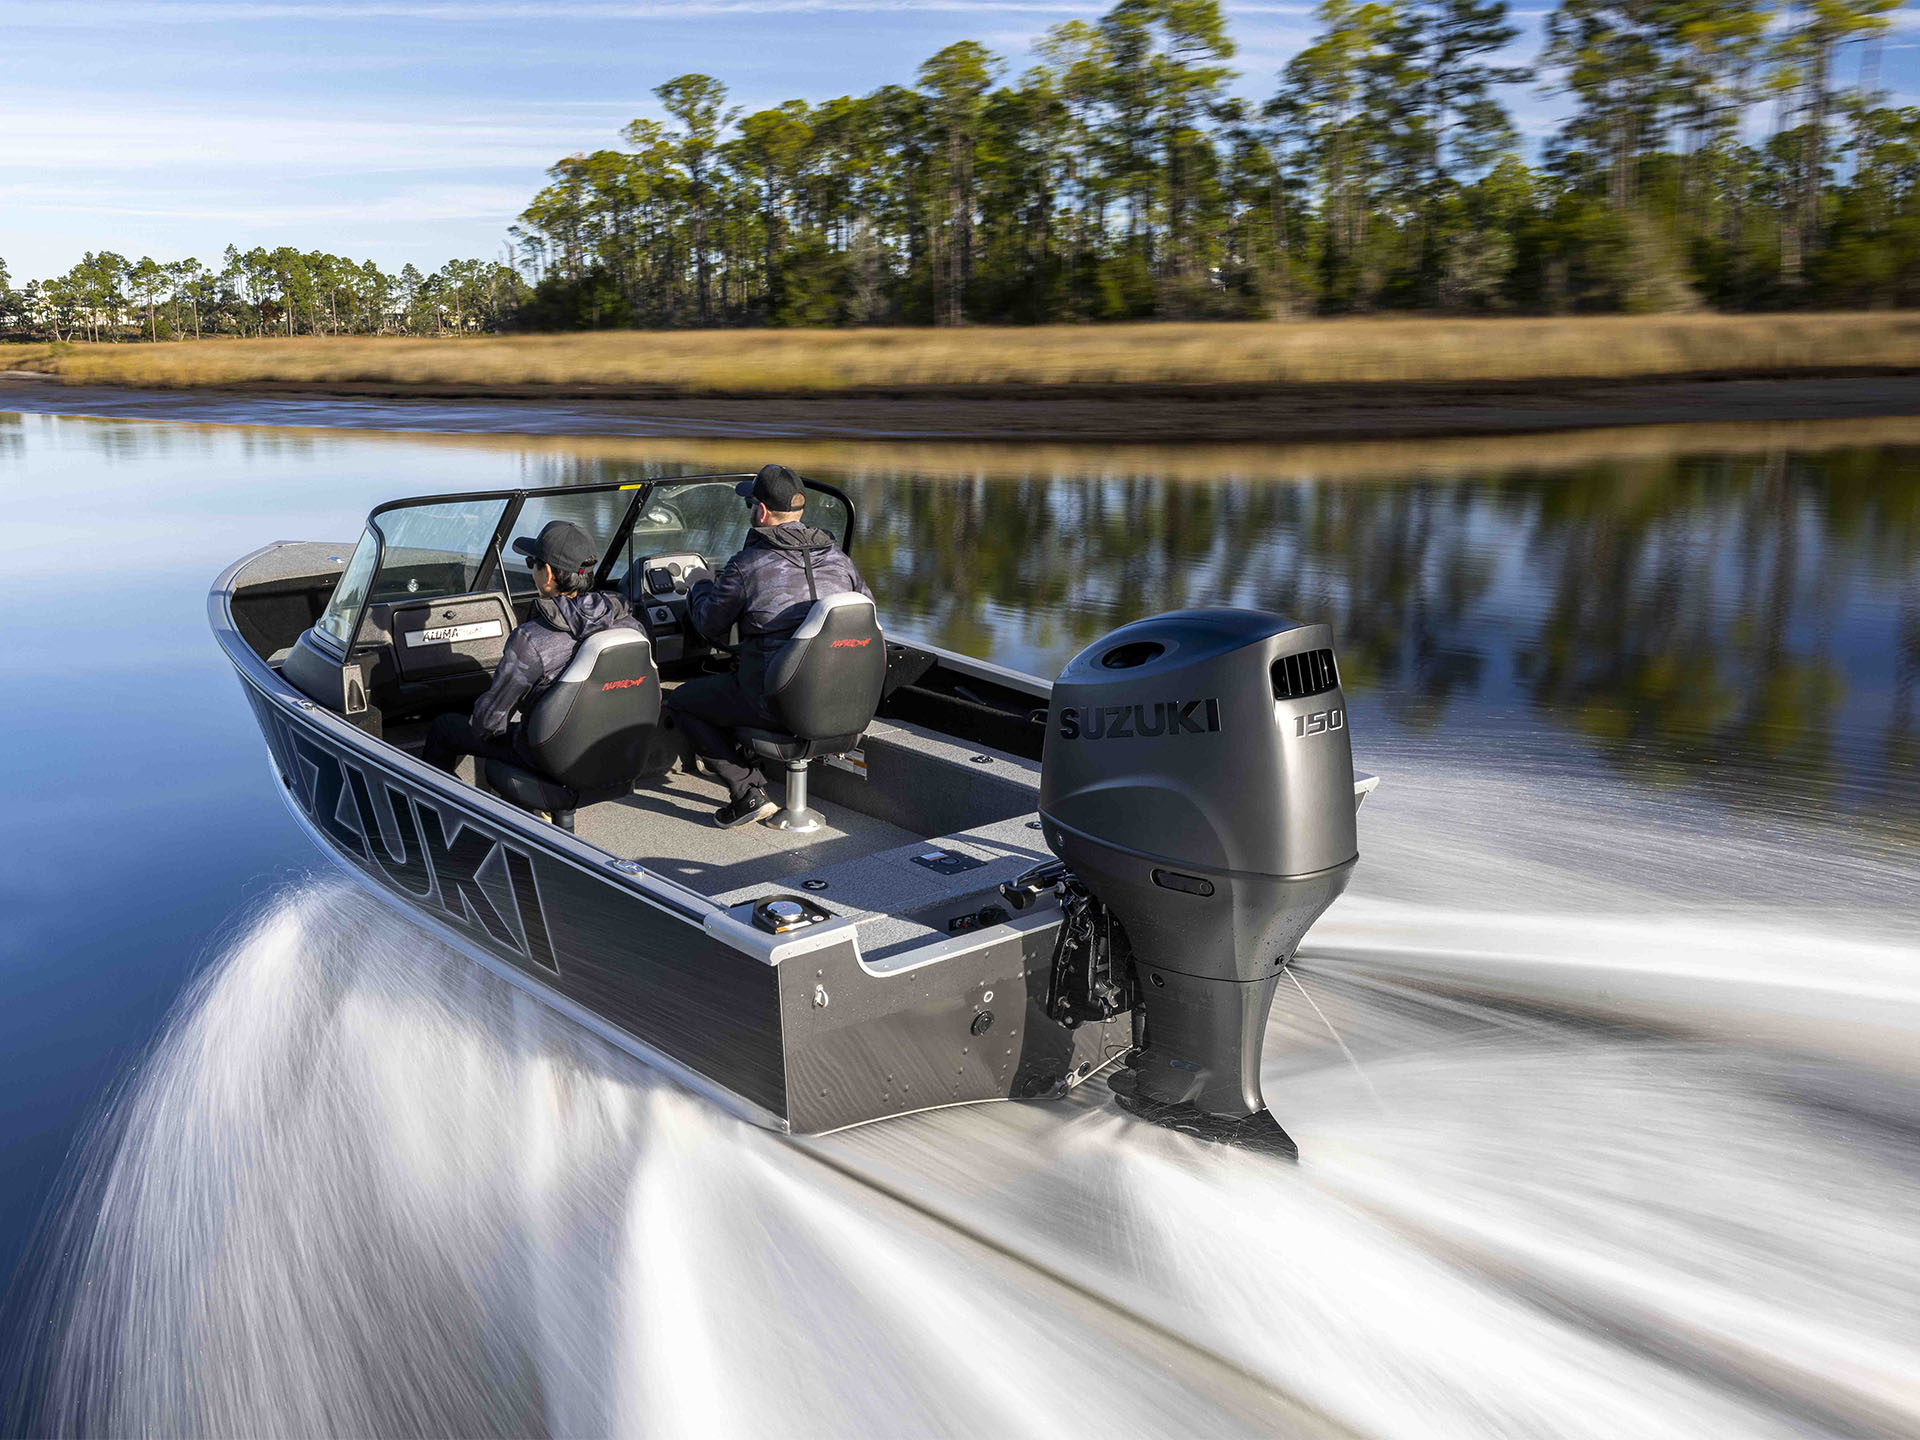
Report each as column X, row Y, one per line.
column 667, row 825
column 866, row 866
column 299, row 560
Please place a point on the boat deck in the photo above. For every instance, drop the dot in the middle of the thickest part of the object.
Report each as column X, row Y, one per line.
column 901, row 884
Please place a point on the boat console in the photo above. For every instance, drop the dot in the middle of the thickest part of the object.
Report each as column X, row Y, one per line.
column 655, row 587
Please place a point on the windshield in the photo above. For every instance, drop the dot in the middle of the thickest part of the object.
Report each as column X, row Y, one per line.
column 435, row 550
column 347, row 596
column 710, row 518
column 598, row 512
column 440, row 549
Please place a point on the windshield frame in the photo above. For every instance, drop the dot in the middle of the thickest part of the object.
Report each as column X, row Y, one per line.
column 509, row 516
column 623, row 534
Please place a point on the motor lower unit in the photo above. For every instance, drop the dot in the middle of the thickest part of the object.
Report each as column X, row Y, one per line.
column 1197, row 784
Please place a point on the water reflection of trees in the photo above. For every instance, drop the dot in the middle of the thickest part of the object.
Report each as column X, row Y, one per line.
column 1747, row 617
column 1393, row 569
column 1731, row 616
column 1722, row 613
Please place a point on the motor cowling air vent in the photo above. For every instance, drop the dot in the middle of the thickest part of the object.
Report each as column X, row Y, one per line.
column 1310, row 672
column 1127, row 657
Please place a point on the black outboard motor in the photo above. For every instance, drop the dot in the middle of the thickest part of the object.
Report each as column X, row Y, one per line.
column 1197, row 782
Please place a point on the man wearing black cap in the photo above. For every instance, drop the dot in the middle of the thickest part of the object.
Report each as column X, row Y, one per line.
column 767, row 590
column 563, row 560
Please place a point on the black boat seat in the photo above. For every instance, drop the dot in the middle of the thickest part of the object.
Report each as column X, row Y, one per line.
column 589, row 732
column 823, row 686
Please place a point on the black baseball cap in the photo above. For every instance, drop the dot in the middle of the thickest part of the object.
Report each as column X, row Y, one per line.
column 563, row 545
column 775, row 487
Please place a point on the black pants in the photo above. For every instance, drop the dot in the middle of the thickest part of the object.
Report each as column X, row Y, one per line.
column 452, row 736
column 708, row 710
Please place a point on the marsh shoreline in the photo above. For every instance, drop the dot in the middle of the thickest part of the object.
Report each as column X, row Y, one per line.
column 1098, row 414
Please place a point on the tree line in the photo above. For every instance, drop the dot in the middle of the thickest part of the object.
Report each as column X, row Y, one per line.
column 1715, row 152
column 1728, row 153
column 258, row 292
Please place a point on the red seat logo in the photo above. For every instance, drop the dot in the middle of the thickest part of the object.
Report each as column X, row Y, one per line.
column 849, row 644
column 623, row 684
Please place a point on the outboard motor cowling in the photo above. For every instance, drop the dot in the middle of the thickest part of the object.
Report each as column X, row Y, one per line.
column 1197, row 780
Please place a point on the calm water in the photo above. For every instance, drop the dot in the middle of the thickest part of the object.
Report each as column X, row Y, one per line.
column 1701, row 668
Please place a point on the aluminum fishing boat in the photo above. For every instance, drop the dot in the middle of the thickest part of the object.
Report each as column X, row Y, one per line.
column 982, row 885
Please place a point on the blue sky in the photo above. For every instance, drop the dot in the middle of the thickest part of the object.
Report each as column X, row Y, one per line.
column 415, row 130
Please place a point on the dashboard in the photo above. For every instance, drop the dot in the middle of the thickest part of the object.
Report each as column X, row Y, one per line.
column 656, row 588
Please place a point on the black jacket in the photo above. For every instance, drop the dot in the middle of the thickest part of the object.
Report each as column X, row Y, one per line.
column 764, row 589
column 538, row 651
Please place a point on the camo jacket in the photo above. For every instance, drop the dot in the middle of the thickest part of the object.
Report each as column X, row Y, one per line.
column 541, row 649
column 764, row 590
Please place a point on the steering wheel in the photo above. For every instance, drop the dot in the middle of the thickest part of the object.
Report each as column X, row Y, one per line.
column 656, row 587
column 664, row 578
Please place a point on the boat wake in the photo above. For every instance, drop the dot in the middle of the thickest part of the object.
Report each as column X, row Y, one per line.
column 1562, row 1178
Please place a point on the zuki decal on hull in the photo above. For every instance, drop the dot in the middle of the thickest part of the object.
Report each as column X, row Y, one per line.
column 408, row 843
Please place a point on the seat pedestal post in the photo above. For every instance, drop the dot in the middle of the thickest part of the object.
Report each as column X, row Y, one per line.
column 795, row 815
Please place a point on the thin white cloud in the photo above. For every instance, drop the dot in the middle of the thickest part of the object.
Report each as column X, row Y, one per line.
column 96, row 134
column 74, row 14
column 93, row 13
column 412, row 205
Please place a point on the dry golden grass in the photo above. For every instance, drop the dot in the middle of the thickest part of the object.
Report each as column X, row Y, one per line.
column 797, row 361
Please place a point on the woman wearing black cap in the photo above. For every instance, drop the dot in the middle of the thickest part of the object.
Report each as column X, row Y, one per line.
column 563, row 560
column 766, row 590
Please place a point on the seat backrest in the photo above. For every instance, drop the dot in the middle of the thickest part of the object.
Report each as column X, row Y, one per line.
column 591, row 727
column 826, row 679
